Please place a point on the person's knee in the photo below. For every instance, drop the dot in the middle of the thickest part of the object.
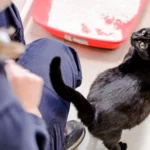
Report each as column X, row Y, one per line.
column 51, row 43
column 48, row 41
column 49, row 47
column 59, row 48
column 46, row 49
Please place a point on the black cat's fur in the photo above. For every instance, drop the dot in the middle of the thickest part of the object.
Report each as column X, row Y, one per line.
column 118, row 99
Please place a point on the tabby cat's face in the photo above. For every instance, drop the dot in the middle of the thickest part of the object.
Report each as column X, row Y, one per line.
column 141, row 41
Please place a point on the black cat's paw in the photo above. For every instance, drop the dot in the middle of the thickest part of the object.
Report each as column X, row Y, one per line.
column 123, row 146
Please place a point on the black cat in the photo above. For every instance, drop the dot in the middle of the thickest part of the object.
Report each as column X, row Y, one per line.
column 118, row 99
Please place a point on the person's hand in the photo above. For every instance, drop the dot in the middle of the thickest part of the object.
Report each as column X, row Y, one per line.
column 4, row 4
column 26, row 85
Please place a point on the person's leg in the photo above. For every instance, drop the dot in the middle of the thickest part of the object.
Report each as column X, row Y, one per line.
column 11, row 17
column 54, row 110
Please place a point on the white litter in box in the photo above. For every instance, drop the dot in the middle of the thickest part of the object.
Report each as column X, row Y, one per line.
column 71, row 15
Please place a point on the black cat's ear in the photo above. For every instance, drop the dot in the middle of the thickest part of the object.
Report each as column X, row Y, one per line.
column 143, row 32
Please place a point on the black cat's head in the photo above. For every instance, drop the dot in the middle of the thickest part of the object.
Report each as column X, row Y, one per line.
column 140, row 40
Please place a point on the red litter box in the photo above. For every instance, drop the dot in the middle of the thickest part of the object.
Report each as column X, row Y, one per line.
column 97, row 23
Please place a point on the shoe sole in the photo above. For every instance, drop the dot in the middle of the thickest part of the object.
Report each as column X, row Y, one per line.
column 78, row 141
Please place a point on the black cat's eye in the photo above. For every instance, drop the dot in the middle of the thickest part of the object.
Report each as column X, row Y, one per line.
column 142, row 45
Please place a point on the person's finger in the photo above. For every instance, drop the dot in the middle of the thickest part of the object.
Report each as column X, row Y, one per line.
column 8, row 61
column 14, row 70
column 14, row 66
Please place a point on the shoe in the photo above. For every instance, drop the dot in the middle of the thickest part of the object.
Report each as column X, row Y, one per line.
column 75, row 133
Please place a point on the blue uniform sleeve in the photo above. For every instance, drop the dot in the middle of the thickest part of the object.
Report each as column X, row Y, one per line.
column 18, row 129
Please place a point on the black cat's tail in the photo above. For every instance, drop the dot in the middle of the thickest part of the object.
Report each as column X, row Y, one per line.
column 85, row 109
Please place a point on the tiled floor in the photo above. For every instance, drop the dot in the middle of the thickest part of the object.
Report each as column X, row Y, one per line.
column 94, row 61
